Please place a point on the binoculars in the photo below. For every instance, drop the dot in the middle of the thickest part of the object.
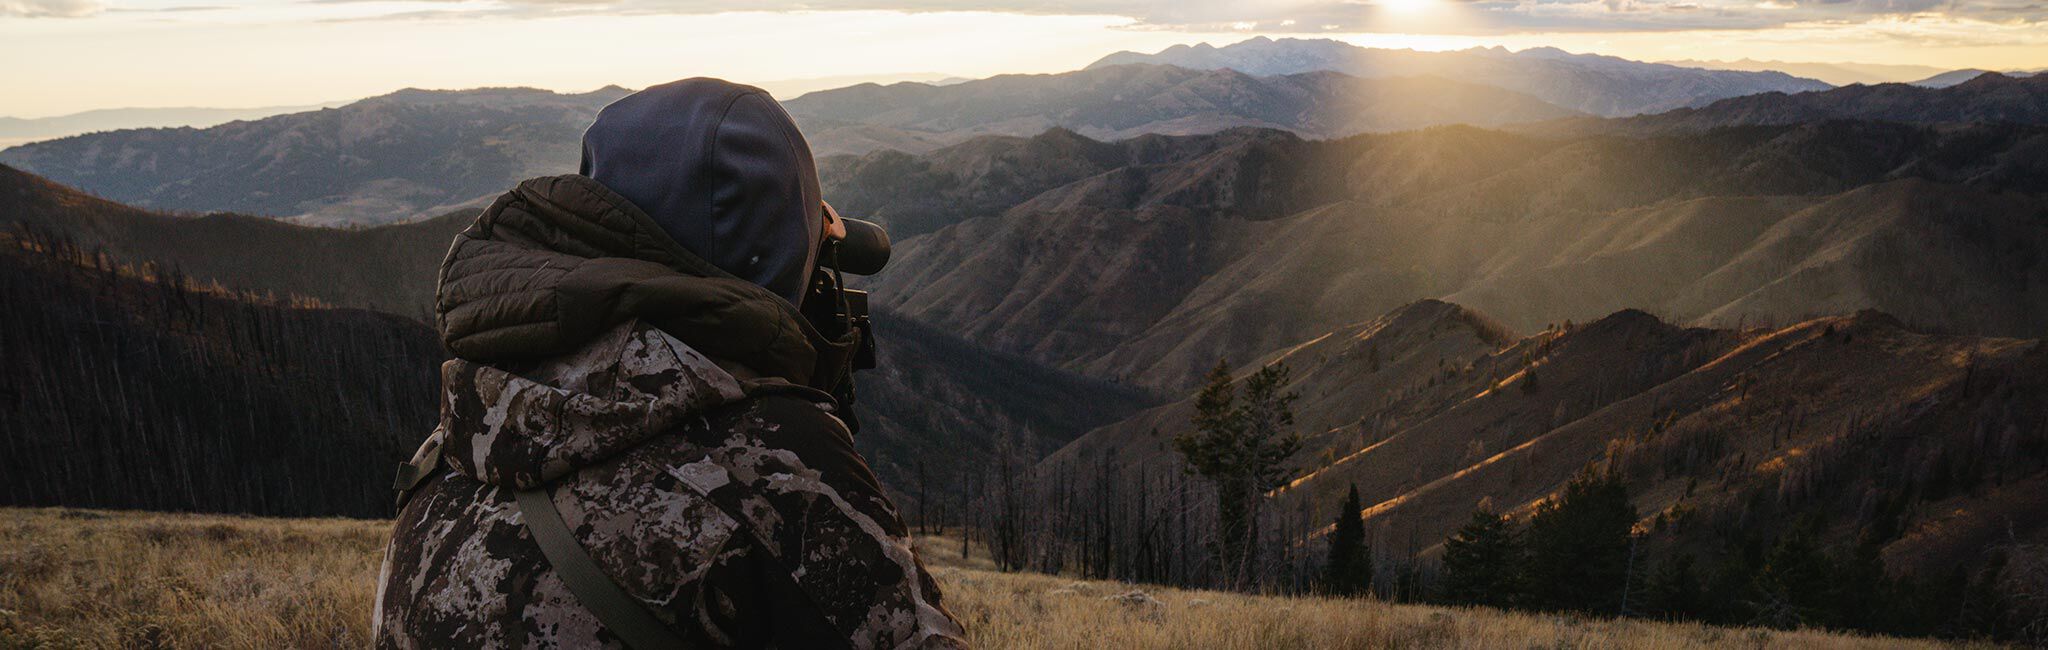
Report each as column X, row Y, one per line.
column 838, row 311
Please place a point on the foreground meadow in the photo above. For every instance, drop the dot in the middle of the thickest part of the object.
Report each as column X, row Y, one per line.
column 81, row 578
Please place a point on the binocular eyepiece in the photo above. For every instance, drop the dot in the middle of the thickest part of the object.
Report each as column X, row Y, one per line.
column 865, row 250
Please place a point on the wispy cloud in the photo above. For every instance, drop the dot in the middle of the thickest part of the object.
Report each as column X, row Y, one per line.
column 1324, row 16
column 48, row 8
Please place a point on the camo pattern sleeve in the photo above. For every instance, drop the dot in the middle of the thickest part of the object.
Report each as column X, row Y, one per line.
column 787, row 472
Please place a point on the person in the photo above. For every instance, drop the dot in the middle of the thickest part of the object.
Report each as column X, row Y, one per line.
column 641, row 440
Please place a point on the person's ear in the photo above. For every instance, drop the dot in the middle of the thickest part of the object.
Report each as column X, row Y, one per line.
column 834, row 228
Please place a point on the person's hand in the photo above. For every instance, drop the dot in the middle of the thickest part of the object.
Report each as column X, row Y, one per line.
column 834, row 228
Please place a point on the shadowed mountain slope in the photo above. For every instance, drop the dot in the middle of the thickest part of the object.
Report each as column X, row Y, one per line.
column 388, row 268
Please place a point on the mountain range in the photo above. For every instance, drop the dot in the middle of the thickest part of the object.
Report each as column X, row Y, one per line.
column 1589, row 83
column 1121, row 101
column 1954, row 77
column 1839, row 74
column 1985, row 98
column 410, row 154
column 415, row 154
column 18, row 130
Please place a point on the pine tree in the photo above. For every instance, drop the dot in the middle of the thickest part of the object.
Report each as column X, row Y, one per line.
column 1797, row 580
column 1674, row 591
column 1483, row 562
column 1579, row 544
column 1349, row 571
column 1240, row 446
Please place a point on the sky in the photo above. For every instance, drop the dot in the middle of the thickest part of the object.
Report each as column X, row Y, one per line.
column 65, row 56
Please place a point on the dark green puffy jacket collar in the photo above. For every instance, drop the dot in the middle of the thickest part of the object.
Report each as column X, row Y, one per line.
column 561, row 259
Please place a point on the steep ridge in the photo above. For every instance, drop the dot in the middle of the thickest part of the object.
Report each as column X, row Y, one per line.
column 1356, row 385
column 1600, row 85
column 410, row 154
column 1858, row 421
column 1528, row 389
column 1927, row 443
column 1117, row 102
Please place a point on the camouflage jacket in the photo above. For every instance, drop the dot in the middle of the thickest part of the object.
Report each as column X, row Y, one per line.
column 673, row 415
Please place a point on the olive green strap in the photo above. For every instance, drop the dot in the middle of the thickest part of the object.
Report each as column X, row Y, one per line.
column 419, row 469
column 620, row 613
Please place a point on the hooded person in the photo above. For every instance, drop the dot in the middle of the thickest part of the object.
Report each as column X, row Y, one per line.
column 639, row 444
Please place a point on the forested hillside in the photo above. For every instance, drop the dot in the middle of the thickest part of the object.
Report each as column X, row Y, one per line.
column 131, row 386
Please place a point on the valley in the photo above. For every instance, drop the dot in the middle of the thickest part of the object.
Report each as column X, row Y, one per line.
column 1791, row 325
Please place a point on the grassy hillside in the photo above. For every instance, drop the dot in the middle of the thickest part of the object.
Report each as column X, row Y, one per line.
column 83, row 578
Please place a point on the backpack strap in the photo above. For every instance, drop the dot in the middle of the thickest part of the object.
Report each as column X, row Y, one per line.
column 416, row 471
column 619, row 612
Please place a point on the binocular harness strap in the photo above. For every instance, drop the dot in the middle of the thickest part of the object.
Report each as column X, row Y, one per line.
column 597, row 592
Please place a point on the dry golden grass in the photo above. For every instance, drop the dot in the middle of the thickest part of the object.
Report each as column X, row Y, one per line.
column 75, row 578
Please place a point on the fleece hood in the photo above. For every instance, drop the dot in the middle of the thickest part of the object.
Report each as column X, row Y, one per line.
column 722, row 170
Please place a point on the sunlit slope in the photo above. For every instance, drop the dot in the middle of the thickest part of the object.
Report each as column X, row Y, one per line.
column 1149, row 272
column 1722, row 435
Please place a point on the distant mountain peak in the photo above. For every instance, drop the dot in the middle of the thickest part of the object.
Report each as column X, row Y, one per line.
column 1590, row 83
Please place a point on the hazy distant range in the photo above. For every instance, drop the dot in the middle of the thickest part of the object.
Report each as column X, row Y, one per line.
column 22, row 130
column 18, row 130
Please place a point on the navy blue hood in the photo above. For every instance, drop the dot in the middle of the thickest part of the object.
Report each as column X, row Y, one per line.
column 722, row 169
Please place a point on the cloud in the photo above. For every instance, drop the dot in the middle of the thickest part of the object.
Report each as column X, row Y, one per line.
column 1327, row 16
column 48, row 8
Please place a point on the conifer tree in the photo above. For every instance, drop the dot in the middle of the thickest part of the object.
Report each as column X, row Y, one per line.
column 1797, row 580
column 1483, row 562
column 1349, row 571
column 1240, row 447
column 1674, row 591
column 1579, row 545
